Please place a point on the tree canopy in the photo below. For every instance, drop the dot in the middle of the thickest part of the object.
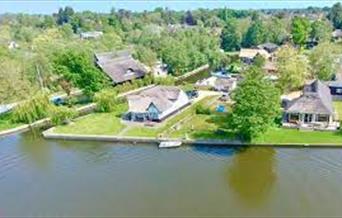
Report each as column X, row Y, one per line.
column 292, row 67
column 257, row 105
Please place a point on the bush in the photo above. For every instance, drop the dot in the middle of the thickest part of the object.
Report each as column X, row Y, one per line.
column 32, row 110
column 202, row 110
column 61, row 115
column 106, row 100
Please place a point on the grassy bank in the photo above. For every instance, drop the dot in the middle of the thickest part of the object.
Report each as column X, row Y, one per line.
column 281, row 135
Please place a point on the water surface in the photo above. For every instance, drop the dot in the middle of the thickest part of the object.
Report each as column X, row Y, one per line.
column 60, row 178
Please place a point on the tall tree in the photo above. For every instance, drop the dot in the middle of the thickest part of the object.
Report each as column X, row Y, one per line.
column 292, row 67
column 257, row 105
column 335, row 15
column 189, row 19
column 256, row 34
column 300, row 30
column 230, row 37
column 322, row 60
column 320, row 31
column 76, row 67
column 65, row 15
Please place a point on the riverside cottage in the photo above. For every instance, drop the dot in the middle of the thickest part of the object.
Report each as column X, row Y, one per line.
column 312, row 110
column 156, row 104
column 120, row 66
column 247, row 55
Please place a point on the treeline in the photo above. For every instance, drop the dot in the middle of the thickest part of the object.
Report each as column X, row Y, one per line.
column 49, row 53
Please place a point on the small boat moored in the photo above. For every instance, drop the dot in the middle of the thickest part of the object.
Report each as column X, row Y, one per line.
column 170, row 144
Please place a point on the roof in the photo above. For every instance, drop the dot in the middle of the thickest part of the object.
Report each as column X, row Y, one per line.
column 224, row 82
column 336, row 33
column 94, row 34
column 269, row 47
column 336, row 84
column 316, row 99
column 251, row 53
column 120, row 66
column 162, row 97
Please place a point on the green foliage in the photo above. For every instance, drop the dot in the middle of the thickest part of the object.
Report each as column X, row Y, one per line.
column 145, row 55
column 230, row 37
column 259, row 60
column 300, row 30
column 200, row 109
column 293, row 68
column 335, row 15
column 276, row 30
column 77, row 68
column 106, row 100
column 322, row 61
column 194, row 48
column 256, row 34
column 61, row 114
column 257, row 105
column 320, row 31
column 32, row 110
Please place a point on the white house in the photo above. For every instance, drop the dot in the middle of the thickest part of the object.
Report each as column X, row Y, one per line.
column 156, row 104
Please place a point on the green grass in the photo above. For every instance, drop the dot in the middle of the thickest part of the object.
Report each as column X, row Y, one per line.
column 94, row 124
column 281, row 135
column 7, row 123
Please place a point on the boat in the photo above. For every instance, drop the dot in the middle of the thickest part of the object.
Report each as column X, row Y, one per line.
column 170, row 144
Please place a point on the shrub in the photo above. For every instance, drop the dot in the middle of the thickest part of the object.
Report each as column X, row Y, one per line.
column 106, row 100
column 32, row 110
column 61, row 115
column 202, row 110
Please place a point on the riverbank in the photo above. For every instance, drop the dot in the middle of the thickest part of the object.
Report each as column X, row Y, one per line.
column 50, row 134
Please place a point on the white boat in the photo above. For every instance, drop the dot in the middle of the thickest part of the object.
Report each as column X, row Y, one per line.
column 170, row 144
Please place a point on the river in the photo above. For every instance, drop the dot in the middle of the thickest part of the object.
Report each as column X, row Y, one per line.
column 64, row 178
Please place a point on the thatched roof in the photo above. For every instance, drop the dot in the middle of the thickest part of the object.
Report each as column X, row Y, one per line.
column 316, row 99
column 269, row 47
column 251, row 53
column 120, row 66
column 162, row 97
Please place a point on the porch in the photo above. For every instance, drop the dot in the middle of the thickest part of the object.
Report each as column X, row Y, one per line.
column 310, row 121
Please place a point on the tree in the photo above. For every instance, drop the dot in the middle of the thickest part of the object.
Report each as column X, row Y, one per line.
column 320, row 31
column 256, row 34
column 65, row 15
column 292, row 68
column 259, row 60
column 276, row 31
column 189, row 19
column 14, row 84
column 335, row 15
column 145, row 55
column 77, row 68
column 230, row 37
column 322, row 61
column 257, row 105
column 300, row 30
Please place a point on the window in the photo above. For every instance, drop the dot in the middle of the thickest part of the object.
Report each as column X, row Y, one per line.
column 322, row 118
column 339, row 91
column 293, row 117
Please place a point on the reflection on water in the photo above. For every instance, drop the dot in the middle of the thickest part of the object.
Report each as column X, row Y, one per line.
column 33, row 146
column 252, row 174
column 77, row 178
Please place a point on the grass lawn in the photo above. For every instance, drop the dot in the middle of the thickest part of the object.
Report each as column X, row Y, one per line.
column 281, row 135
column 97, row 123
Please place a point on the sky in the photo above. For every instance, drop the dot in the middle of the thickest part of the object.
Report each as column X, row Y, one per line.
column 51, row 6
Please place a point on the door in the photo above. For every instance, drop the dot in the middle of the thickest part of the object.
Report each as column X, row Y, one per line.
column 307, row 118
